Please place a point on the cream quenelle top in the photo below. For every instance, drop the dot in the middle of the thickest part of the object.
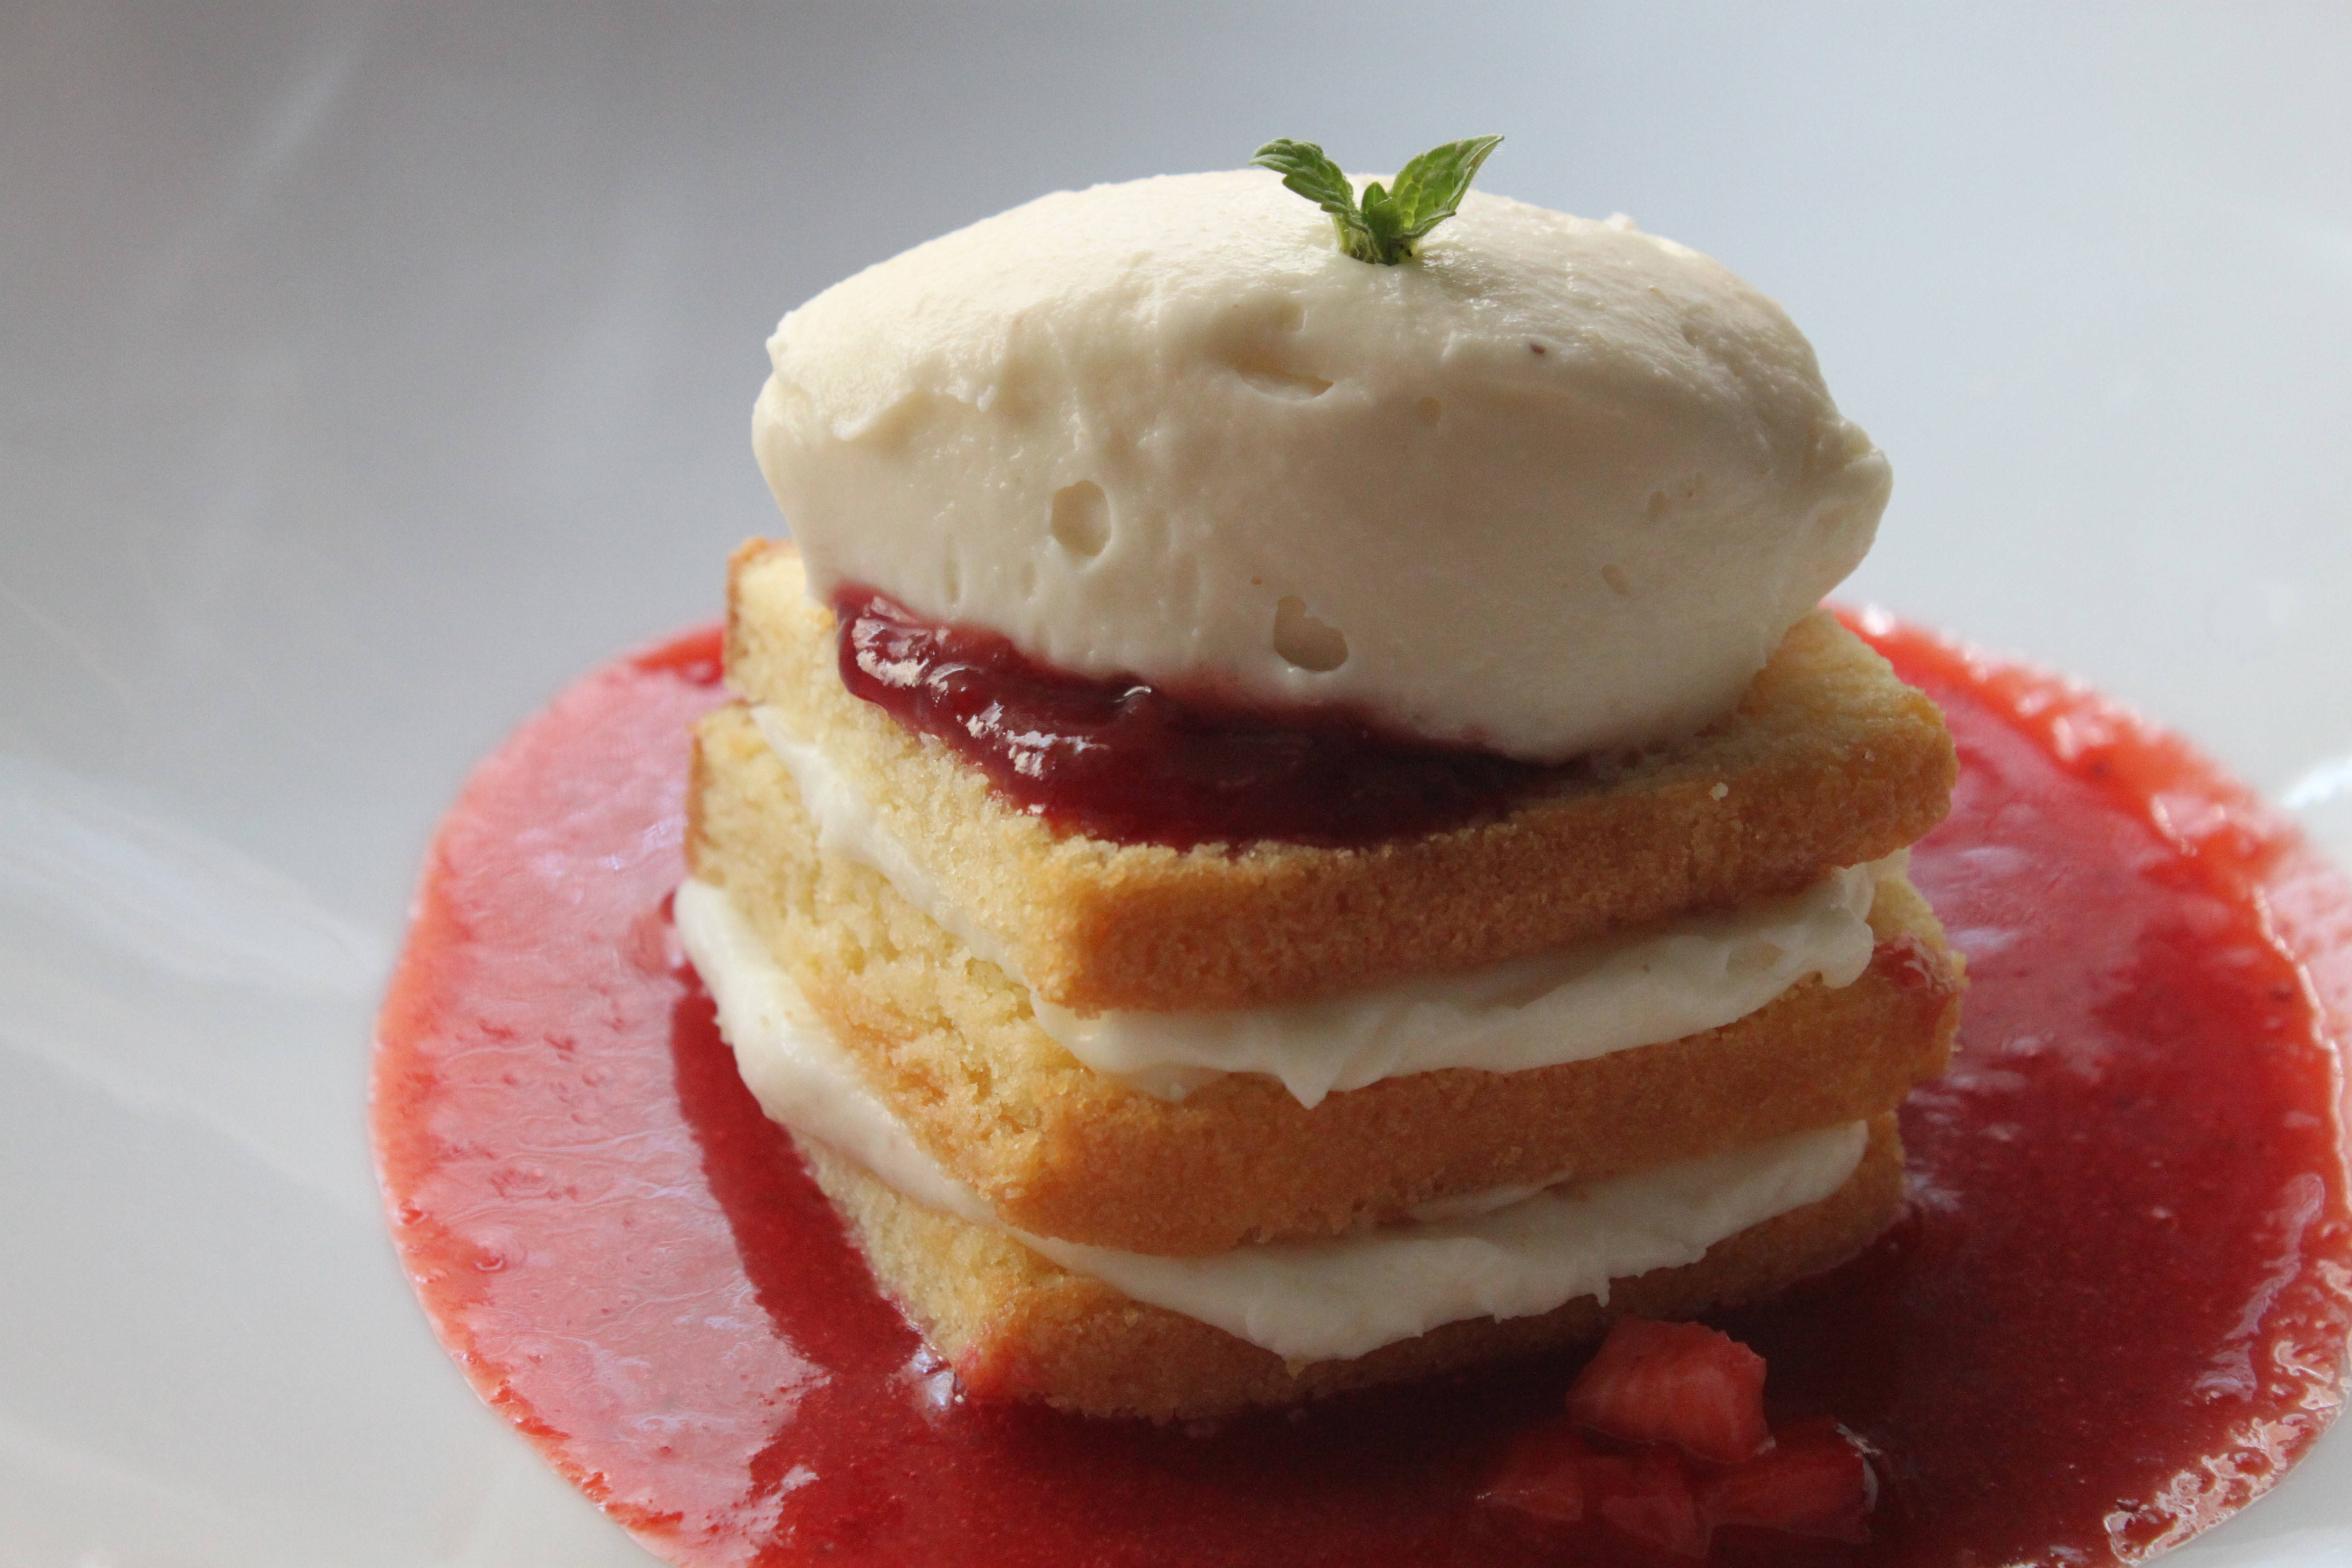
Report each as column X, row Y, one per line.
column 1553, row 486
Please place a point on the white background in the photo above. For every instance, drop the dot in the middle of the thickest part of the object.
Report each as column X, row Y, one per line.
column 366, row 371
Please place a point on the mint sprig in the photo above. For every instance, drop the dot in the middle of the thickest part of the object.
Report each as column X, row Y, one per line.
column 1385, row 227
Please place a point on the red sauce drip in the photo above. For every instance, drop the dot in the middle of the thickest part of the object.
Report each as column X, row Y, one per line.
column 2115, row 1314
column 1123, row 759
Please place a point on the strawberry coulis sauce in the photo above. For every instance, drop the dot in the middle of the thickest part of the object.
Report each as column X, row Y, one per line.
column 2116, row 1310
column 1125, row 760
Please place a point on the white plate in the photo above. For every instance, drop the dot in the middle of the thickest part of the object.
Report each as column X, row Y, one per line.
column 369, row 370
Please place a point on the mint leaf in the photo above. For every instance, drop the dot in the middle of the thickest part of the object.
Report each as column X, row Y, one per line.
column 1430, row 189
column 1381, row 219
column 1305, row 169
column 1388, row 226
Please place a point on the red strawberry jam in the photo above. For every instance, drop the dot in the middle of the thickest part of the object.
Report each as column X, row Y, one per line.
column 2116, row 1311
column 1126, row 760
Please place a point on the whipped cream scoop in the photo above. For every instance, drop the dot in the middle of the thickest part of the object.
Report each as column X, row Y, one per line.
column 1554, row 486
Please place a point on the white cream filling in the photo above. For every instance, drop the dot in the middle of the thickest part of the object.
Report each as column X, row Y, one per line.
column 1688, row 975
column 1500, row 1255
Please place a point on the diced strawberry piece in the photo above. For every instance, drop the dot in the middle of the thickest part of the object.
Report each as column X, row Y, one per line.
column 1648, row 1496
column 1812, row 1481
column 1674, row 1382
column 1540, row 1474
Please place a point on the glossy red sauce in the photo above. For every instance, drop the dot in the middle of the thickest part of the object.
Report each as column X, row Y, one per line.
column 1125, row 760
column 2116, row 1311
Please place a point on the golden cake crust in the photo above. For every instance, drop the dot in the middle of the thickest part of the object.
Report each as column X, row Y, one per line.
column 1016, row 1326
column 1828, row 761
column 948, row 1042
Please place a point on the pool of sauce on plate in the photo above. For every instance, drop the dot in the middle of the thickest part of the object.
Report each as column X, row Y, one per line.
column 1127, row 760
column 2115, row 1312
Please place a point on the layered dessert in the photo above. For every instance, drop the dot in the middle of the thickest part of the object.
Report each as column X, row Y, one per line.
column 1289, row 822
